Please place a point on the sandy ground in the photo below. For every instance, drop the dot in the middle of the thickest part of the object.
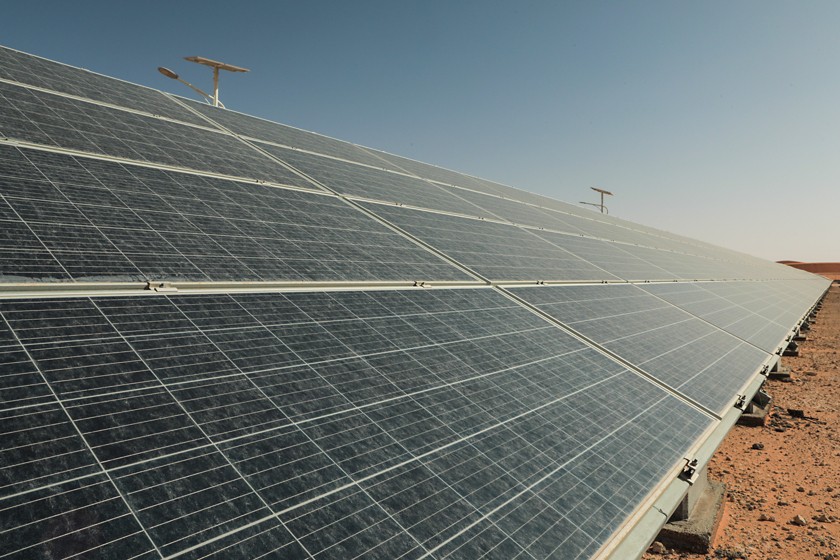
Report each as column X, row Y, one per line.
column 783, row 479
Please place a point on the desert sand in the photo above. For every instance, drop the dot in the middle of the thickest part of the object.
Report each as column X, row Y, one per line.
column 783, row 479
column 830, row 270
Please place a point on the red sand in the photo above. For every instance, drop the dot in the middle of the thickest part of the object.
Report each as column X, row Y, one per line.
column 830, row 270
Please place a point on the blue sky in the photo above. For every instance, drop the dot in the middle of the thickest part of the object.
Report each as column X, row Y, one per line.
column 718, row 120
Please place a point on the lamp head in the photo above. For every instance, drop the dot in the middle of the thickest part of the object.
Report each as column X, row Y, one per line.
column 167, row 72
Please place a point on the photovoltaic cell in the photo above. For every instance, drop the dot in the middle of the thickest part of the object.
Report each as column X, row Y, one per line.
column 570, row 509
column 763, row 298
column 687, row 267
column 517, row 212
column 85, row 516
column 265, row 539
column 207, row 499
column 40, row 446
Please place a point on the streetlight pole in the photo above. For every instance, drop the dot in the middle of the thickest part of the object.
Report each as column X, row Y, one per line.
column 216, row 66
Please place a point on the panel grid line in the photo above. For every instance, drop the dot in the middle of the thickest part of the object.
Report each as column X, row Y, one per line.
column 212, row 443
column 102, row 469
column 316, row 444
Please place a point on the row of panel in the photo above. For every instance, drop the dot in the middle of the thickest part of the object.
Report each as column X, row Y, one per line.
column 416, row 422
column 444, row 423
column 59, row 121
column 704, row 339
column 79, row 218
column 399, row 424
column 27, row 69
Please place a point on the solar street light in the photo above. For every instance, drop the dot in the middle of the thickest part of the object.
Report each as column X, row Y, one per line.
column 215, row 65
column 602, row 206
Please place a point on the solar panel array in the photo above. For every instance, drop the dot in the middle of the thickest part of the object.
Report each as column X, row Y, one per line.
column 352, row 354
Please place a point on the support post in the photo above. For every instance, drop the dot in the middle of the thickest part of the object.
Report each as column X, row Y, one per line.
column 215, row 86
column 693, row 524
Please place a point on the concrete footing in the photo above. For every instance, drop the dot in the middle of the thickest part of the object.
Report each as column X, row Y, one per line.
column 779, row 372
column 694, row 523
column 791, row 350
column 757, row 410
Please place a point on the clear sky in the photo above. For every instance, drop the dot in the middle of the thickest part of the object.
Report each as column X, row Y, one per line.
column 718, row 120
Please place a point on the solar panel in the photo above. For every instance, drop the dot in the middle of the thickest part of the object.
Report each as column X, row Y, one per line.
column 84, row 218
column 494, row 250
column 53, row 120
column 427, row 171
column 347, row 356
column 185, row 400
column 732, row 318
column 700, row 361
column 535, row 210
column 615, row 258
column 283, row 135
column 40, row 72
column 689, row 267
column 366, row 182
column 529, row 215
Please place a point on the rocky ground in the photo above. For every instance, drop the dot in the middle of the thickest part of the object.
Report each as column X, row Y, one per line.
column 783, row 479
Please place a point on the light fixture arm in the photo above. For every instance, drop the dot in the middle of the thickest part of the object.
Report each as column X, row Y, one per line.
column 207, row 97
column 602, row 206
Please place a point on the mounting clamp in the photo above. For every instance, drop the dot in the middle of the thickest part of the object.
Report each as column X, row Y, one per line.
column 689, row 472
column 160, row 287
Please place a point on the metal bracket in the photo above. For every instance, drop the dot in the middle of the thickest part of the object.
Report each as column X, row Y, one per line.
column 765, row 371
column 689, row 472
column 741, row 402
column 161, row 287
